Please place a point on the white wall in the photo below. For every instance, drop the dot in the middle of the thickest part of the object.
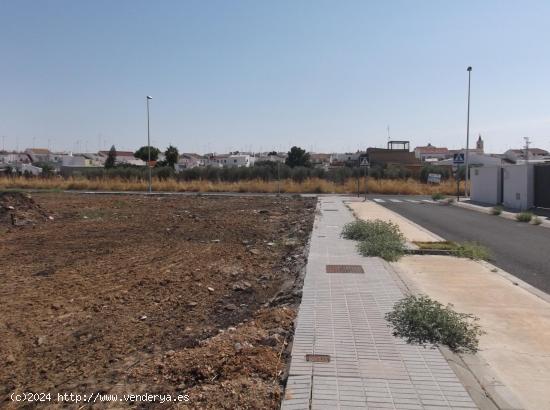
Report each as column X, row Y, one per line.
column 518, row 189
column 485, row 184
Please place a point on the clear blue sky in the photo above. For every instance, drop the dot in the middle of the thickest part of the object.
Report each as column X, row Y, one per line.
column 325, row 75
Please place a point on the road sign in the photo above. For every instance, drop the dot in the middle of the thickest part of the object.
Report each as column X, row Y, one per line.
column 458, row 158
column 434, row 178
column 364, row 162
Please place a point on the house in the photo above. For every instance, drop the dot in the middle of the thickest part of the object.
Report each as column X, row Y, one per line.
column 230, row 160
column 271, row 157
column 475, row 159
column 189, row 160
column 516, row 155
column 430, row 153
column 347, row 158
column 15, row 158
column 123, row 157
column 320, row 160
column 39, row 154
column 27, row 169
column 392, row 155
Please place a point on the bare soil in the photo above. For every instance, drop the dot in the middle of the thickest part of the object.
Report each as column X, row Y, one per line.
column 128, row 294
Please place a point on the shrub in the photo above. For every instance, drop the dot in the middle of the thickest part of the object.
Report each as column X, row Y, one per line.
column 496, row 210
column 524, row 217
column 377, row 238
column 436, row 196
column 422, row 320
column 473, row 250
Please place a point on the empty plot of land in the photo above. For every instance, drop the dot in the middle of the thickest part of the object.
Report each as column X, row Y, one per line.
column 130, row 294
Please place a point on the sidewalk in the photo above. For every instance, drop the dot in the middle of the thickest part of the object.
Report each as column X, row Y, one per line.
column 342, row 315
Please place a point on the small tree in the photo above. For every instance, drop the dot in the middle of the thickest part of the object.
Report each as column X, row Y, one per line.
column 111, row 158
column 172, row 156
column 298, row 157
column 143, row 153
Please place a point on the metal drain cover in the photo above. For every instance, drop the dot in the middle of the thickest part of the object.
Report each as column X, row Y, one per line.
column 318, row 358
column 344, row 269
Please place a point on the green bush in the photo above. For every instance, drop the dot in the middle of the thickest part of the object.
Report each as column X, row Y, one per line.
column 473, row 250
column 496, row 210
column 376, row 238
column 524, row 217
column 422, row 320
column 437, row 196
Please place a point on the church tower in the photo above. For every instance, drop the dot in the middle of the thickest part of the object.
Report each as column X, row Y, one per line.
column 479, row 144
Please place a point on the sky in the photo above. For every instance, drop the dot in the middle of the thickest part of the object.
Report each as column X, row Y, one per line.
column 329, row 76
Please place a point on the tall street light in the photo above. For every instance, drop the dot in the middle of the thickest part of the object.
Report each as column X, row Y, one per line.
column 149, row 146
column 466, row 187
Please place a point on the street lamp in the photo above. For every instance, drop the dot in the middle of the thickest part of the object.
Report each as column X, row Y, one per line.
column 149, row 145
column 466, row 188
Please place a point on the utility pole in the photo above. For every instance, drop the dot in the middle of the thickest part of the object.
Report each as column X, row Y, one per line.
column 149, row 146
column 466, row 187
column 3, row 143
column 278, row 176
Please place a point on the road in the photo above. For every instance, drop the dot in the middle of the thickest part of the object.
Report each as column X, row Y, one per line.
column 518, row 248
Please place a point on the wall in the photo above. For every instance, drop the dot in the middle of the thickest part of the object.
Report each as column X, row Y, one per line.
column 518, row 187
column 485, row 185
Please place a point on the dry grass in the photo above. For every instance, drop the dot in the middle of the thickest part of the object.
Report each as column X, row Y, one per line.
column 312, row 185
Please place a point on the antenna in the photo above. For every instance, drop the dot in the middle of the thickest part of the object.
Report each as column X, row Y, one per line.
column 527, row 142
column 388, row 130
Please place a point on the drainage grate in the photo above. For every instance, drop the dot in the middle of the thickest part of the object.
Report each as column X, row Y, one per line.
column 318, row 358
column 345, row 269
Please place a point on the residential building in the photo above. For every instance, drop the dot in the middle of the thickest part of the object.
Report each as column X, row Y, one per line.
column 39, row 154
column 15, row 158
column 123, row 157
column 347, row 158
column 516, row 155
column 189, row 160
column 396, row 153
column 320, row 160
column 431, row 153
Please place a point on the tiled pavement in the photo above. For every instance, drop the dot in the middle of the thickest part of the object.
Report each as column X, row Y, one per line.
column 342, row 315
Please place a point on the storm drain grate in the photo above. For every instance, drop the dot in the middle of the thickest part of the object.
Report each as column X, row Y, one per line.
column 318, row 358
column 345, row 269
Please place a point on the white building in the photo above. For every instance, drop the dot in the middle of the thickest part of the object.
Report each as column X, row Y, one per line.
column 188, row 160
column 337, row 158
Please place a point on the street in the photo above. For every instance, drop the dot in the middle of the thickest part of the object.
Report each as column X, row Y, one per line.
column 518, row 248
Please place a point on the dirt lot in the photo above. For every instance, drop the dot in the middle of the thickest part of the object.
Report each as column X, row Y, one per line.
column 133, row 294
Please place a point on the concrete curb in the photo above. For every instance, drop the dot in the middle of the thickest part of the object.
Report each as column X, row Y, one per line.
column 505, row 214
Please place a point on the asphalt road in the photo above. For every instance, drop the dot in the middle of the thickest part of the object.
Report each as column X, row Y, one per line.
column 518, row 248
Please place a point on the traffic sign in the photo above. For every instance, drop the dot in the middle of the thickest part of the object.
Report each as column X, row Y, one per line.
column 364, row 162
column 458, row 158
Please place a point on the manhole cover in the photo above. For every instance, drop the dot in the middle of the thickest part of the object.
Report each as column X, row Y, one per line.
column 318, row 358
column 345, row 269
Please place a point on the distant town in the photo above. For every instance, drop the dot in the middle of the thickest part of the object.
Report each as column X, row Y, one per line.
column 36, row 161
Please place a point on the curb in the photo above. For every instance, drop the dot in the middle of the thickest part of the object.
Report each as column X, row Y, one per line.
column 505, row 214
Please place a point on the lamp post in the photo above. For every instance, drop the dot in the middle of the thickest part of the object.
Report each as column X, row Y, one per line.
column 467, row 159
column 149, row 145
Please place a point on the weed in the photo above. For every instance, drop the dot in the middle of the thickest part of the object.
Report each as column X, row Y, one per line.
column 422, row 320
column 376, row 238
column 313, row 185
column 444, row 246
column 473, row 250
column 496, row 210
column 436, row 196
column 524, row 217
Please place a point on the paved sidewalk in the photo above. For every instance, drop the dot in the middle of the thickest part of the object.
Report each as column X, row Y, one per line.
column 342, row 315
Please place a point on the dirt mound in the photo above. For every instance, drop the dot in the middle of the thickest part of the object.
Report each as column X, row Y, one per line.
column 18, row 209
